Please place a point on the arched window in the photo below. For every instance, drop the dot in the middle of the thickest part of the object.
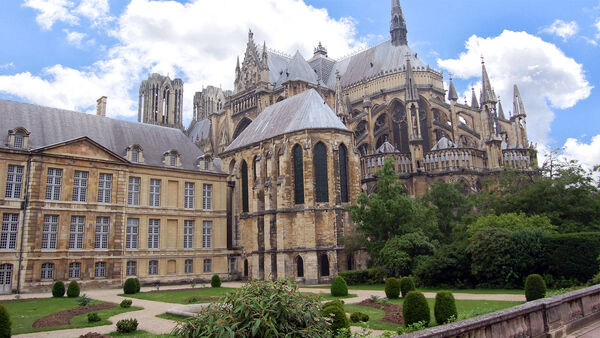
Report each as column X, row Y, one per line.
column 254, row 167
column 350, row 262
column 298, row 174
column 320, row 168
column 245, row 187
column 324, row 265
column 245, row 268
column 343, row 152
column 135, row 154
column 299, row 267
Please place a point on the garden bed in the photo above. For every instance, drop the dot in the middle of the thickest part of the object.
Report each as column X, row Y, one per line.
column 393, row 312
column 64, row 317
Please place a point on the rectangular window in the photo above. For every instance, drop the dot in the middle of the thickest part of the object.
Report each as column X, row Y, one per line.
column 133, row 196
column 153, row 268
column 8, row 237
column 80, row 183
column 207, row 234
column 155, row 193
column 49, row 232
column 53, row 184
column 47, row 271
column 104, row 188
column 102, row 226
column 131, row 268
column 207, row 197
column 153, row 233
column 188, row 234
column 14, row 181
column 75, row 270
column 19, row 140
column 131, row 241
column 100, row 269
column 207, row 265
column 189, row 266
column 189, row 195
column 77, row 231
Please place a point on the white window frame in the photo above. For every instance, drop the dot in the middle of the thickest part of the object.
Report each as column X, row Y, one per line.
column 188, row 200
column 53, row 184
column 189, row 266
column 104, row 187
column 188, row 234
column 153, row 267
column 80, row 184
column 135, row 155
column 207, row 265
column 131, row 268
column 133, row 231
column 14, row 181
column 133, row 194
column 50, row 232
column 19, row 140
column 47, row 271
column 153, row 233
column 100, row 270
column 77, row 232
column 10, row 227
column 207, row 190
column 101, row 234
column 206, row 234
column 155, row 192
column 74, row 270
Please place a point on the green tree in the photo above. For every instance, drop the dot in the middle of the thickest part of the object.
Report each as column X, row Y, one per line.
column 511, row 221
column 451, row 205
column 491, row 257
column 399, row 253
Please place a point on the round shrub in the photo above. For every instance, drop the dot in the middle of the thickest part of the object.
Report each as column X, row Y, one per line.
column 339, row 319
column 127, row 325
column 406, row 285
column 445, row 307
column 337, row 302
column 339, row 288
column 93, row 317
column 138, row 286
column 73, row 289
column 392, row 288
column 4, row 322
column 415, row 309
column 130, row 287
column 125, row 303
column 535, row 287
column 357, row 317
column 58, row 289
column 215, row 281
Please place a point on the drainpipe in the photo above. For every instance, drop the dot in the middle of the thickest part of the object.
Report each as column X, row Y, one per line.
column 25, row 205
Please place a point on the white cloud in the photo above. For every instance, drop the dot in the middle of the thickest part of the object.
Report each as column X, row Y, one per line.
column 587, row 154
column 597, row 24
column 51, row 11
column 8, row 65
column 193, row 41
column 97, row 11
column 75, row 38
column 546, row 77
column 562, row 29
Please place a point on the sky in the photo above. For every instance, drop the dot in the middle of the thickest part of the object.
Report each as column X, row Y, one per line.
column 68, row 53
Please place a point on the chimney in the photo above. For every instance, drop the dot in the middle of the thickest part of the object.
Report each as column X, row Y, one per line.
column 101, row 106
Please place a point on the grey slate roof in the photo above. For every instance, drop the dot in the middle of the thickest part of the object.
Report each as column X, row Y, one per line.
column 297, row 70
column 277, row 65
column 322, row 66
column 300, row 112
column 51, row 126
column 200, row 130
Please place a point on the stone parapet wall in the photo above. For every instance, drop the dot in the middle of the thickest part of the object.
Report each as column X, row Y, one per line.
column 549, row 317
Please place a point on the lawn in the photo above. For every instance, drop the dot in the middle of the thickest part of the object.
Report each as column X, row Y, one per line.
column 23, row 313
column 180, row 296
column 173, row 317
column 466, row 309
column 139, row 334
column 328, row 296
column 381, row 287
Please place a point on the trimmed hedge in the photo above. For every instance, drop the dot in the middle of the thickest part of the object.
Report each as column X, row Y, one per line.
column 5, row 323
column 376, row 275
column 339, row 320
column 93, row 317
column 445, row 307
column 58, row 289
column 572, row 255
column 126, row 303
column 392, row 288
column 415, row 309
column 535, row 287
column 339, row 288
column 138, row 286
column 357, row 317
column 355, row 277
column 73, row 289
column 130, row 287
column 406, row 285
column 215, row 281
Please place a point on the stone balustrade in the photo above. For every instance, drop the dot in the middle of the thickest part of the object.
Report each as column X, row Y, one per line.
column 516, row 158
column 371, row 163
column 453, row 159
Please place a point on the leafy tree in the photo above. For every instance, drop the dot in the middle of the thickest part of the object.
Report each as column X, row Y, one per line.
column 491, row 257
column 511, row 221
column 399, row 252
column 450, row 265
column 451, row 205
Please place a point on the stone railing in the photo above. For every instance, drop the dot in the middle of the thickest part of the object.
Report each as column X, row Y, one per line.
column 453, row 159
column 371, row 163
column 549, row 317
column 516, row 158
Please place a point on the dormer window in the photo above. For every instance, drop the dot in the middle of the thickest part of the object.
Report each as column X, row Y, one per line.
column 171, row 158
column 135, row 154
column 204, row 162
column 18, row 138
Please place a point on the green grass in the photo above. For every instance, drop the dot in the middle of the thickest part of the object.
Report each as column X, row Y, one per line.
column 139, row 334
column 173, row 317
column 180, row 296
column 328, row 296
column 23, row 313
column 381, row 287
column 466, row 309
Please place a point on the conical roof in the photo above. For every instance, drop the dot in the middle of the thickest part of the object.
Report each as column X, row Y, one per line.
column 452, row 94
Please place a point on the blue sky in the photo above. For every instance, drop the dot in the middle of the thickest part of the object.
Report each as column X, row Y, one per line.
column 67, row 53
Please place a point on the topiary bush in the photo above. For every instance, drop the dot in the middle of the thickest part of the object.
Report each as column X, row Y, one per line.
column 93, row 317
column 392, row 288
column 339, row 288
column 215, row 281
column 338, row 318
column 406, row 285
column 357, row 317
column 445, row 307
column 127, row 325
column 73, row 289
column 259, row 309
column 337, row 302
column 58, row 289
column 126, row 303
column 535, row 287
column 130, row 287
column 138, row 286
column 415, row 309
column 5, row 324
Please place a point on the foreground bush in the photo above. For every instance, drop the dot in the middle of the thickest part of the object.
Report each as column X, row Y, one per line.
column 215, row 281
column 392, row 288
column 357, row 317
column 415, row 309
column 5, row 323
column 339, row 288
column 406, row 285
column 93, row 317
column 535, row 287
column 338, row 318
column 138, row 286
column 126, row 303
column 73, row 289
column 58, row 289
column 259, row 309
column 445, row 307
column 127, row 325
column 130, row 287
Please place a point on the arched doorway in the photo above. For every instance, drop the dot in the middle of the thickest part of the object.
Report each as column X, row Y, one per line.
column 299, row 266
column 324, row 265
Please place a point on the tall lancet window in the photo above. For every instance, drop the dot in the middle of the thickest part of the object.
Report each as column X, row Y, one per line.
column 320, row 168
column 298, row 175
column 343, row 152
column 245, row 207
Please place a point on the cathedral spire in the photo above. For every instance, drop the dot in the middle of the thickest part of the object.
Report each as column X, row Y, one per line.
column 487, row 92
column 501, row 111
column 412, row 93
column 398, row 25
column 452, row 94
column 518, row 106
column 474, row 103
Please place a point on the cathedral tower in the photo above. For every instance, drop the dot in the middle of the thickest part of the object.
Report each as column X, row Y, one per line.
column 161, row 101
column 398, row 25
